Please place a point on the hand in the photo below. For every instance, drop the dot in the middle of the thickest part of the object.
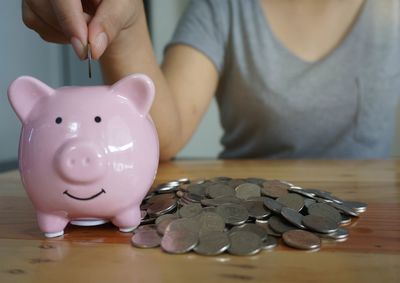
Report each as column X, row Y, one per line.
column 76, row 22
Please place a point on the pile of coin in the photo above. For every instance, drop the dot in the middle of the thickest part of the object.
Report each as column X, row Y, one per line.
column 240, row 216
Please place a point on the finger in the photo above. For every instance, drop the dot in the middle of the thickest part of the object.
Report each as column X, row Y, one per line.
column 43, row 10
column 106, row 25
column 72, row 20
column 45, row 31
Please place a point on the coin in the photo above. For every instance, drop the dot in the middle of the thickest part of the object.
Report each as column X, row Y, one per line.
column 301, row 192
column 340, row 233
column 357, row 206
column 220, row 200
column 280, row 225
column 255, row 180
column 344, row 209
column 308, row 202
column 212, row 243
column 210, row 222
column 165, row 216
column 345, row 219
column 293, row 201
column 247, row 190
column 325, row 210
column 244, row 243
column 161, row 206
column 218, row 190
column 163, row 224
column 256, row 209
column 251, row 227
column 197, row 189
column 233, row 214
column 89, row 57
column 179, row 241
column 320, row 224
column 273, row 205
column 184, row 224
column 190, row 210
column 146, row 238
column 274, row 188
column 293, row 217
column 301, row 239
column 269, row 243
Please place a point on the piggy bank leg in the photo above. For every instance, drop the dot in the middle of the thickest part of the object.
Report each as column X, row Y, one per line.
column 51, row 224
column 127, row 220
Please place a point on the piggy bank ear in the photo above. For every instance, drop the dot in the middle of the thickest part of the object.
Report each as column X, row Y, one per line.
column 137, row 88
column 24, row 93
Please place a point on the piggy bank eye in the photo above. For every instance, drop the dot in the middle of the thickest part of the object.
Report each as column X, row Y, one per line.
column 97, row 119
column 58, row 120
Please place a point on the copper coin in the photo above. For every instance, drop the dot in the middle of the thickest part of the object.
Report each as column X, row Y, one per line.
column 274, row 188
column 320, row 224
column 301, row 239
column 146, row 238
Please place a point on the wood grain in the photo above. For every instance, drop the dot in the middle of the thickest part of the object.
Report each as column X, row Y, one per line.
column 102, row 254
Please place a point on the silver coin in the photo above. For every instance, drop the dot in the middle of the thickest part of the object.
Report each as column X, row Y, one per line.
column 269, row 243
column 219, row 189
column 146, row 238
column 325, row 210
column 274, row 188
column 190, row 224
column 210, row 222
column 320, row 224
column 220, row 200
column 273, row 205
column 212, row 243
column 293, row 217
column 197, row 189
column 301, row 192
column 324, row 195
column 190, row 210
column 183, row 181
column 300, row 239
column 256, row 209
column 357, row 206
column 340, row 233
column 165, row 216
column 280, row 225
column 293, row 201
column 179, row 241
column 221, row 179
column 192, row 198
column 251, row 227
column 235, row 182
column 255, row 180
column 164, row 188
column 233, row 214
column 344, row 209
column 345, row 219
column 271, row 232
column 247, row 190
column 244, row 243
column 308, row 202
column 209, row 209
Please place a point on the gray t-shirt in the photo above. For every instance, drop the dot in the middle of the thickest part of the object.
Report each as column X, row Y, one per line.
column 275, row 105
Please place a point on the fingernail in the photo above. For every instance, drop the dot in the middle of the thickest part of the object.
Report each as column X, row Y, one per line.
column 100, row 44
column 78, row 47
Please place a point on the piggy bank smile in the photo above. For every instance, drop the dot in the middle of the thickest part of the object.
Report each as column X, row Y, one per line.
column 84, row 198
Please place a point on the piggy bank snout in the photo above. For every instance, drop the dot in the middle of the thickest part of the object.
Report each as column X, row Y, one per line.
column 80, row 162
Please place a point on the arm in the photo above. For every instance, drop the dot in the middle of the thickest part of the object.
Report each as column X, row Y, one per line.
column 185, row 84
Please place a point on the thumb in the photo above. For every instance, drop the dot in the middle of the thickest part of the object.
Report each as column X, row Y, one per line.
column 72, row 20
column 110, row 18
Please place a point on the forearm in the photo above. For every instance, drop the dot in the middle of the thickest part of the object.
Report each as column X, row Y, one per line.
column 131, row 52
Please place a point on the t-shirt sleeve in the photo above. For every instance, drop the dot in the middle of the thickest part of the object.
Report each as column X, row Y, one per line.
column 204, row 26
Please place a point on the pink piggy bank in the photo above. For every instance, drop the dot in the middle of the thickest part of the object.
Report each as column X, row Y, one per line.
column 87, row 154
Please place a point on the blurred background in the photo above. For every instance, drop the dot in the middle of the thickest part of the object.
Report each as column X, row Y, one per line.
column 23, row 52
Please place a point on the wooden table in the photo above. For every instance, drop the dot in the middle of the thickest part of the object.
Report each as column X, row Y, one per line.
column 102, row 254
